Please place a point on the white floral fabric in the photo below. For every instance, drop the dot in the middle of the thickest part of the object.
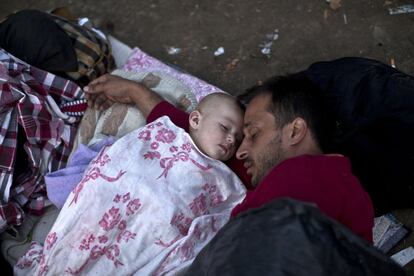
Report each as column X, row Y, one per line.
column 146, row 205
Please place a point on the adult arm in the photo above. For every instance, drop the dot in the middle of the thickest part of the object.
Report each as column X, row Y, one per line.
column 107, row 89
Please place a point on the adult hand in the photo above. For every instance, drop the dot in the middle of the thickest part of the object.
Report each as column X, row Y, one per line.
column 107, row 89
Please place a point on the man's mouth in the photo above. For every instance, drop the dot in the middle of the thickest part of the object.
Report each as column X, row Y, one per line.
column 249, row 167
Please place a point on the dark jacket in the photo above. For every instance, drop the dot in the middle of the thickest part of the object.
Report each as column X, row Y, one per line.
column 374, row 107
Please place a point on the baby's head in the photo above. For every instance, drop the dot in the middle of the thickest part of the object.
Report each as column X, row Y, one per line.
column 216, row 125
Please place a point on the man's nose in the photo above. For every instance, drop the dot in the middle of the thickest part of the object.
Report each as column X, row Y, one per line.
column 242, row 151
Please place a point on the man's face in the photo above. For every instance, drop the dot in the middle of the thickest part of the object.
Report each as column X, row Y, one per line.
column 262, row 147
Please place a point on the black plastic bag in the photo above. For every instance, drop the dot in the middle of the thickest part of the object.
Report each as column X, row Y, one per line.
column 288, row 237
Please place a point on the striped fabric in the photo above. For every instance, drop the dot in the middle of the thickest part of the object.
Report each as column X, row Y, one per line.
column 29, row 128
column 93, row 51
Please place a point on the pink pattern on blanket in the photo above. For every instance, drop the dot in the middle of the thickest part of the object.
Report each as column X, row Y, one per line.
column 50, row 240
column 210, row 197
column 27, row 260
column 167, row 136
column 113, row 223
column 140, row 60
column 94, row 172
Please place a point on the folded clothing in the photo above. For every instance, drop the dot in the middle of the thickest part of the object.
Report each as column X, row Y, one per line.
column 35, row 137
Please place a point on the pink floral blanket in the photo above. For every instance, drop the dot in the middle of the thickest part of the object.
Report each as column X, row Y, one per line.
column 146, row 205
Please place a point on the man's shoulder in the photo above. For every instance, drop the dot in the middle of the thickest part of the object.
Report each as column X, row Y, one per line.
column 315, row 160
column 300, row 167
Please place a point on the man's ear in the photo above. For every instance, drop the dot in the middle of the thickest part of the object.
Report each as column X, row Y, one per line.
column 296, row 131
column 194, row 119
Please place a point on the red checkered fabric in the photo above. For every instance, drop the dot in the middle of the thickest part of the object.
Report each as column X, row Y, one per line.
column 29, row 126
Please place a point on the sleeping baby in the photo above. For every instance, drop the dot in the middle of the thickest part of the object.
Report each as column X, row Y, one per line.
column 149, row 202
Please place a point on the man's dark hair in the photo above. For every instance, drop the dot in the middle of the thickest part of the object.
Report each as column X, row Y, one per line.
column 295, row 96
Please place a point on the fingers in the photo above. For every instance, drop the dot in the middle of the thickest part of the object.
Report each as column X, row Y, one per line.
column 99, row 100
column 95, row 93
column 97, row 85
column 107, row 104
column 104, row 104
column 101, row 103
column 94, row 88
column 91, row 99
column 108, row 89
column 101, row 79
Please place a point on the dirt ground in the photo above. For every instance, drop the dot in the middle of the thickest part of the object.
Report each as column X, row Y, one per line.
column 308, row 31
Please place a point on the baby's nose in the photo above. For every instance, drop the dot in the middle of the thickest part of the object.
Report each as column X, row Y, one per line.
column 230, row 138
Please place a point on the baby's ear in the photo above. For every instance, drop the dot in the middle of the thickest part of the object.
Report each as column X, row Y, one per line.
column 194, row 119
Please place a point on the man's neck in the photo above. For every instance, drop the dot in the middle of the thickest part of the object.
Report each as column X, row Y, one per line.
column 307, row 147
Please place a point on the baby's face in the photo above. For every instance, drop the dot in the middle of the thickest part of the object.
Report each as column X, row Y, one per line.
column 221, row 132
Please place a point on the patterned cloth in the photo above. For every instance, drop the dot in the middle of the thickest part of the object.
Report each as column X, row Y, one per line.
column 140, row 61
column 148, row 212
column 93, row 52
column 31, row 125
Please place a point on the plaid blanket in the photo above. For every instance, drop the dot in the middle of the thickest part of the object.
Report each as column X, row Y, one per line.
column 31, row 124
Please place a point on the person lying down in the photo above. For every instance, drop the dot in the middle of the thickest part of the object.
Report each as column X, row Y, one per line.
column 148, row 203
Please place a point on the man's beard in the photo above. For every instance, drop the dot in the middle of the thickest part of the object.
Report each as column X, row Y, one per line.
column 268, row 159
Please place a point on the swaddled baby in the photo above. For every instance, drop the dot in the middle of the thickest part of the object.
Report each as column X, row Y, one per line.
column 148, row 203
